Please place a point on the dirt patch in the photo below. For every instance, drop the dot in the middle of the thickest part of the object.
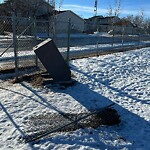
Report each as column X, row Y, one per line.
column 40, row 79
column 35, row 79
column 52, row 122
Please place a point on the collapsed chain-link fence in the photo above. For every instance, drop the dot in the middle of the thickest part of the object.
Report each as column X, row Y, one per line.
column 19, row 35
column 41, row 126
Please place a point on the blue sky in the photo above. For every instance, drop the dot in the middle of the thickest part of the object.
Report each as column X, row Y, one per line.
column 85, row 8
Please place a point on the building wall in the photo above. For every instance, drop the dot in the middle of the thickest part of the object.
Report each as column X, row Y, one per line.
column 105, row 24
column 77, row 23
column 125, row 30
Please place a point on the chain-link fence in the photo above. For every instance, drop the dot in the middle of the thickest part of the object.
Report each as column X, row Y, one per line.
column 6, row 43
column 17, row 41
column 74, row 39
column 97, row 39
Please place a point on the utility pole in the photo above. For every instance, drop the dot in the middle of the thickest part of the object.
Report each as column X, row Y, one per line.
column 95, row 7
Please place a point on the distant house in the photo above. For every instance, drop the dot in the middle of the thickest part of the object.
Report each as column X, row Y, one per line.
column 100, row 23
column 107, row 24
column 92, row 23
column 124, row 26
column 62, row 18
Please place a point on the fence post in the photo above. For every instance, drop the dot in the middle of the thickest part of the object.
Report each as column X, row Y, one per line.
column 139, row 37
column 113, row 36
column 35, row 35
column 122, row 36
column 68, row 40
column 97, row 41
column 15, row 45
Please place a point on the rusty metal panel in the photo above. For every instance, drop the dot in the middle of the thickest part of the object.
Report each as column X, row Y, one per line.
column 53, row 61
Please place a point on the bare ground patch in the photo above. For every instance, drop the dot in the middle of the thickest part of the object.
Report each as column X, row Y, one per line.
column 47, row 124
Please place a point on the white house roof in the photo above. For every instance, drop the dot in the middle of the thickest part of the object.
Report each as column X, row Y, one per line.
column 61, row 12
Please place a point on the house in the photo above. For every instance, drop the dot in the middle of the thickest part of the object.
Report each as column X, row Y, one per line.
column 91, row 24
column 109, row 24
column 62, row 18
column 124, row 26
column 100, row 23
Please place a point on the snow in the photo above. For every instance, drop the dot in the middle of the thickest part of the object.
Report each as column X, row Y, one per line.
column 74, row 51
column 77, row 35
column 122, row 78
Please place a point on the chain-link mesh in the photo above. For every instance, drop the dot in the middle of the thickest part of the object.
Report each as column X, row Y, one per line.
column 26, row 40
column 99, row 39
column 6, row 43
column 58, row 31
column 79, row 38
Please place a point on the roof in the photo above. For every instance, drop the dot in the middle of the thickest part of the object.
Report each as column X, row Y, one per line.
column 101, row 17
column 61, row 12
column 123, row 22
column 91, row 18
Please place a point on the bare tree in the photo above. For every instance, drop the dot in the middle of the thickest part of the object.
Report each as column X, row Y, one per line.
column 138, row 22
column 110, row 11
column 23, row 8
column 147, row 25
column 114, row 13
column 138, row 19
column 60, row 4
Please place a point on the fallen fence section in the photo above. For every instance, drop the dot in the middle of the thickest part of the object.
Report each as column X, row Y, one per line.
column 35, row 137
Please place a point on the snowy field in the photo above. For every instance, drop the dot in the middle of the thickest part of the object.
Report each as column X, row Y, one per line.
column 122, row 78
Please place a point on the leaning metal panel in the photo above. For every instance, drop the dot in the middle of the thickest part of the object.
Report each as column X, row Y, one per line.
column 53, row 61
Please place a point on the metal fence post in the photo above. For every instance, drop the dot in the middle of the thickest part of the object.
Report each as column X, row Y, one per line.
column 15, row 45
column 113, row 36
column 139, row 37
column 122, row 36
column 68, row 40
column 97, row 41
column 35, row 35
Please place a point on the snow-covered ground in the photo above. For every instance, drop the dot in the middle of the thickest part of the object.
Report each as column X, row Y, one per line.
column 122, row 78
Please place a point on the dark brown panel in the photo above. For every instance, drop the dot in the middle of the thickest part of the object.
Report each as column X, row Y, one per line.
column 53, row 61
